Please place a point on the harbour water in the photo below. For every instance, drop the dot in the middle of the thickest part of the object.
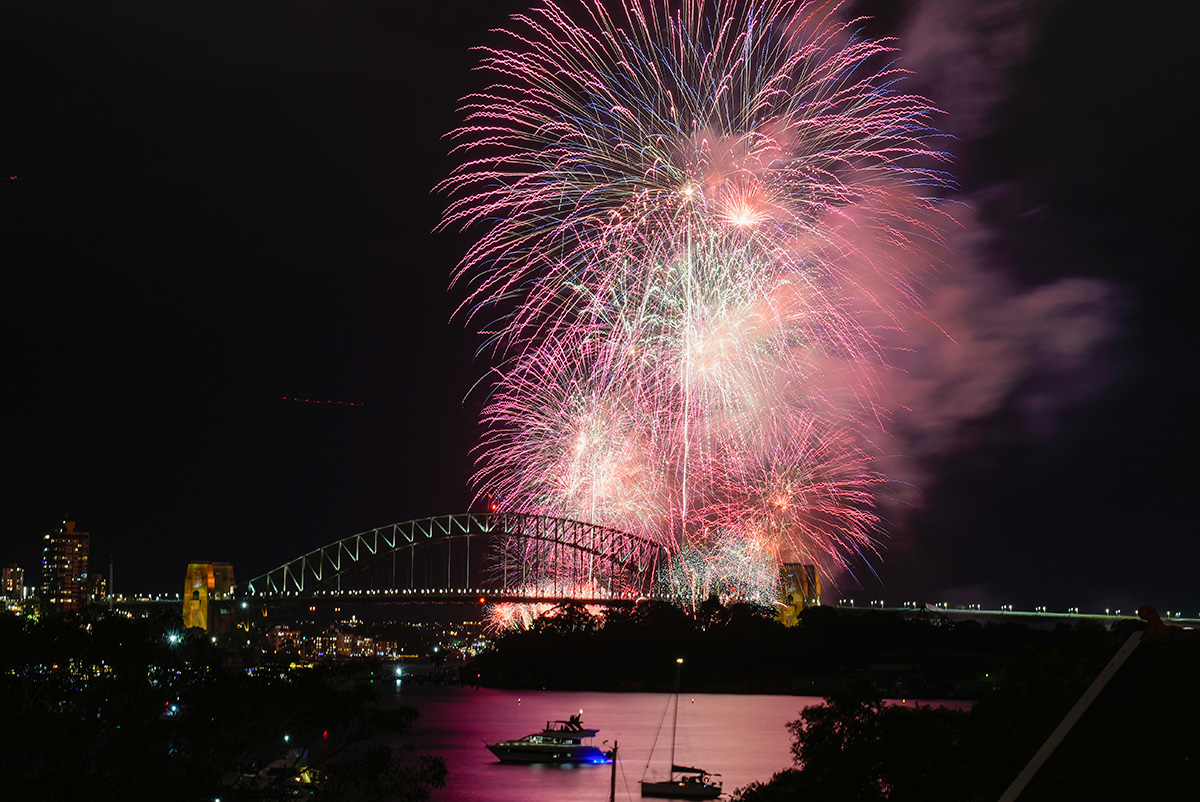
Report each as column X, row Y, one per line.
column 744, row 738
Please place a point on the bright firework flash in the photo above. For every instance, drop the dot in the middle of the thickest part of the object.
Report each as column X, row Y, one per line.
column 695, row 220
column 510, row 616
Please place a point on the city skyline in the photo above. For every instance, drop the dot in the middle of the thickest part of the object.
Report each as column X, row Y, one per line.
column 223, row 218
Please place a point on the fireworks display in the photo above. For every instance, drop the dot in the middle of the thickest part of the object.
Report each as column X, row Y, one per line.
column 694, row 221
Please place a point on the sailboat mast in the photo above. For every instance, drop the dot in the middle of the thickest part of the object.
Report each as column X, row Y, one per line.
column 675, row 715
column 612, row 780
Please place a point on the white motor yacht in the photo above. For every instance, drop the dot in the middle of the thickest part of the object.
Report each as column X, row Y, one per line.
column 559, row 742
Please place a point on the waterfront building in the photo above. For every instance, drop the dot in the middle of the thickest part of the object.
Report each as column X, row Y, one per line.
column 64, row 585
column 329, row 643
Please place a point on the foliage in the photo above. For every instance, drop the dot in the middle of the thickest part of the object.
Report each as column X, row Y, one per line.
column 112, row 708
column 568, row 617
column 857, row 748
column 380, row 774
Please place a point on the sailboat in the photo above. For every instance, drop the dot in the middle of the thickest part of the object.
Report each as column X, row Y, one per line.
column 685, row 782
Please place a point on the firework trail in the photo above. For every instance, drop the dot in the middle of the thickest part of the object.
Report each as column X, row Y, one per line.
column 693, row 220
column 562, row 442
column 727, row 565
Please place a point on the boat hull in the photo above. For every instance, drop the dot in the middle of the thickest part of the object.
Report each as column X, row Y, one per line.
column 681, row 789
column 516, row 752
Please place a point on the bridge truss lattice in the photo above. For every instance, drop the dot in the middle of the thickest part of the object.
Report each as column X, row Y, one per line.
column 501, row 552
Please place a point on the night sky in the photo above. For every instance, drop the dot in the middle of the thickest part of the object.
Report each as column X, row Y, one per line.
column 212, row 207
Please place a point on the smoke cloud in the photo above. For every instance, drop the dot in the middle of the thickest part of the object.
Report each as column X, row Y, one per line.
column 991, row 343
column 966, row 52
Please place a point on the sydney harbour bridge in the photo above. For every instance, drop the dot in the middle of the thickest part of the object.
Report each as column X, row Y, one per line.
column 504, row 556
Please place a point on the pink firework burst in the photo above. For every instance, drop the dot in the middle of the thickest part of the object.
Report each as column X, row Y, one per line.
column 693, row 219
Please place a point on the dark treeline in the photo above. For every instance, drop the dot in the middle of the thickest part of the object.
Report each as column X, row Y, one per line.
column 108, row 708
column 742, row 649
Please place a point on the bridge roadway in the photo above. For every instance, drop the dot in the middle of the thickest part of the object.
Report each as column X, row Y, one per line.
column 1039, row 616
column 437, row 596
column 1036, row 617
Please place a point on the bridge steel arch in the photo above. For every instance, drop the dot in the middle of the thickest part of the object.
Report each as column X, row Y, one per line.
column 521, row 550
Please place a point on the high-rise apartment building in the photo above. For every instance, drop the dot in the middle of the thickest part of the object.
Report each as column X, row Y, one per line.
column 64, row 569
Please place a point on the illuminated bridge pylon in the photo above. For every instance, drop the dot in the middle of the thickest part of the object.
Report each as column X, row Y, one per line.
column 500, row 553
